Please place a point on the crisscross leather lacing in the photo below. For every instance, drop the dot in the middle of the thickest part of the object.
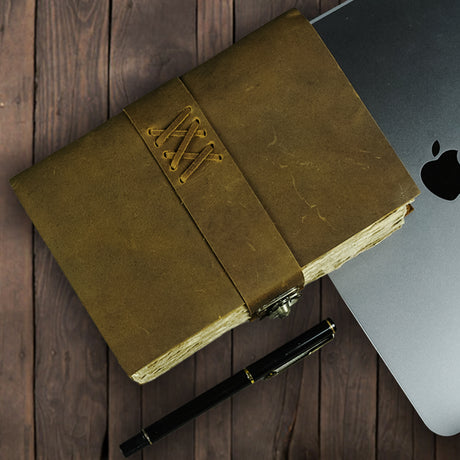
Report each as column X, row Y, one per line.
column 162, row 135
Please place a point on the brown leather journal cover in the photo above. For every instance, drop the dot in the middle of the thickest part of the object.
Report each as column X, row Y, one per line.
column 214, row 190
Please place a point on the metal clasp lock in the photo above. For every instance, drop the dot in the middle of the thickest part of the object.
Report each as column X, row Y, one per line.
column 280, row 306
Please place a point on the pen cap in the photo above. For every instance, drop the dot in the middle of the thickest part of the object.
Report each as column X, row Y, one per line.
column 294, row 350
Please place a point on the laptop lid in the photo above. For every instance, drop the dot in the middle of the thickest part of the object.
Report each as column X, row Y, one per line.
column 403, row 58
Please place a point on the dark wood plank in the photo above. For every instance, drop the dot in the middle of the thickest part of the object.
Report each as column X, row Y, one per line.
column 213, row 429
column 348, row 385
column 277, row 418
column 395, row 419
column 303, row 440
column 400, row 432
column 151, row 42
column 71, row 98
column 16, row 290
column 124, row 417
column 447, row 448
column 124, row 395
column 251, row 14
column 423, row 440
column 214, row 27
column 325, row 5
column 163, row 395
column 213, row 363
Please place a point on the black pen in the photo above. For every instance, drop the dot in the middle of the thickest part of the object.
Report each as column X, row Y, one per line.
column 268, row 366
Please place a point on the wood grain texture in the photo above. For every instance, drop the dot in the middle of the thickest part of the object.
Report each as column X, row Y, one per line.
column 151, row 42
column 162, row 396
column 303, row 386
column 267, row 419
column 71, row 98
column 277, row 418
column 16, row 290
column 395, row 419
column 447, row 448
column 213, row 429
column 401, row 433
column 348, row 386
column 124, row 411
column 213, row 363
column 124, row 416
column 251, row 14
column 423, row 440
column 214, row 27
column 325, row 5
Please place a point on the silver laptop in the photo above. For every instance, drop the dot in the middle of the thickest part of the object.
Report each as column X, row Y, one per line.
column 403, row 58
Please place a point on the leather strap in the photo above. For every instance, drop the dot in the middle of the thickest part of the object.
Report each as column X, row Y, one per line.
column 217, row 196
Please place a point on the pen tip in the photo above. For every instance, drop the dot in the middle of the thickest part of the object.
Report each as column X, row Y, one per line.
column 133, row 444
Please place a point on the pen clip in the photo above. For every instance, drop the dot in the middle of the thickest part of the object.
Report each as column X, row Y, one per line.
column 298, row 358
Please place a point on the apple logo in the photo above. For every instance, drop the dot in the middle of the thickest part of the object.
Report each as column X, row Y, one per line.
column 442, row 176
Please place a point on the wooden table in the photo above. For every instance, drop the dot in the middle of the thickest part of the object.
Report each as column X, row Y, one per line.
column 65, row 66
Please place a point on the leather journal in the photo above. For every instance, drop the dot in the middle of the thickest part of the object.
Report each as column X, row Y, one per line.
column 214, row 199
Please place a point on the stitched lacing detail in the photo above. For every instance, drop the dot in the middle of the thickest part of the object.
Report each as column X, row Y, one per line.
column 162, row 136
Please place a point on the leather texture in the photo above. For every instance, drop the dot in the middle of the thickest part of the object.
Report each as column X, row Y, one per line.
column 129, row 248
column 308, row 146
column 220, row 201
column 301, row 158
